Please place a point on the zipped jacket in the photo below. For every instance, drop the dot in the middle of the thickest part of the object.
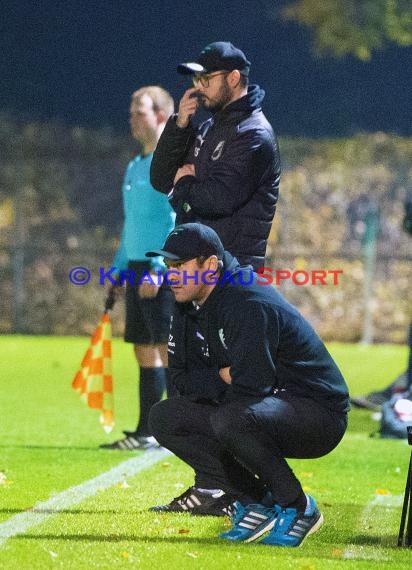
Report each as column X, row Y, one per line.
column 237, row 166
column 269, row 346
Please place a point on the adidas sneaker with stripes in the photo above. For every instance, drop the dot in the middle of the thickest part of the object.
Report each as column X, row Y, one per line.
column 199, row 503
column 291, row 528
column 250, row 522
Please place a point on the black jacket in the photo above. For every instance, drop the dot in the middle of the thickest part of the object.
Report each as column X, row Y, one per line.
column 237, row 165
column 266, row 342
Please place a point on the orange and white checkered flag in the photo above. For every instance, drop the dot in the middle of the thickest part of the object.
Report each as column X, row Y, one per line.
column 94, row 379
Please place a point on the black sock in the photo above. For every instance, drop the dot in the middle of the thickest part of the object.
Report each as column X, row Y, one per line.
column 246, row 499
column 299, row 503
column 151, row 387
column 267, row 499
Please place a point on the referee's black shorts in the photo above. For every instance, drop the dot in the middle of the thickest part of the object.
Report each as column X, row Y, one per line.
column 147, row 320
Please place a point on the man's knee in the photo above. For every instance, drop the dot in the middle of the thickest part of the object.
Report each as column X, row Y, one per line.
column 228, row 422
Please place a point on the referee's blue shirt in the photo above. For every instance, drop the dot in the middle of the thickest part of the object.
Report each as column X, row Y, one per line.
column 148, row 216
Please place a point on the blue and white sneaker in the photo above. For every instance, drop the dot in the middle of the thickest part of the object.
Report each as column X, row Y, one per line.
column 249, row 522
column 291, row 527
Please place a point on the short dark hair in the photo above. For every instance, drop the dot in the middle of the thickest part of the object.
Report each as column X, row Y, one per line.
column 202, row 258
column 244, row 80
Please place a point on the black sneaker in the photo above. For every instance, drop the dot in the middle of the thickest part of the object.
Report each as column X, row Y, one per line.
column 132, row 443
column 372, row 401
column 197, row 503
column 375, row 400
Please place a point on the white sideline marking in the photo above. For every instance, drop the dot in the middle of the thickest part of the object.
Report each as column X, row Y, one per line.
column 355, row 551
column 20, row 523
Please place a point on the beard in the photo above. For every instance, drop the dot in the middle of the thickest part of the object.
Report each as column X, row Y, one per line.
column 219, row 102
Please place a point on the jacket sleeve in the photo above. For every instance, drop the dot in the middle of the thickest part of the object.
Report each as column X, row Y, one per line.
column 169, row 155
column 191, row 377
column 231, row 179
column 198, row 384
column 252, row 339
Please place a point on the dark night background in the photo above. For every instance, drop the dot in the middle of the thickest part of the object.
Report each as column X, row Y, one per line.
column 79, row 61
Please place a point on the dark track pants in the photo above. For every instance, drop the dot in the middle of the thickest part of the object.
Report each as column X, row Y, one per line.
column 241, row 447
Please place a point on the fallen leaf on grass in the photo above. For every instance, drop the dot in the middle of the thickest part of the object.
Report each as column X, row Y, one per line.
column 382, row 492
column 337, row 553
column 3, row 479
column 183, row 531
column 192, row 554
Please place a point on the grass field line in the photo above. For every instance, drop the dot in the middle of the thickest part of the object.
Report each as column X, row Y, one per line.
column 22, row 522
column 378, row 502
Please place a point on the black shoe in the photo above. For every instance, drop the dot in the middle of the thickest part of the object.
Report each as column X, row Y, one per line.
column 375, row 400
column 372, row 401
column 199, row 504
column 132, row 442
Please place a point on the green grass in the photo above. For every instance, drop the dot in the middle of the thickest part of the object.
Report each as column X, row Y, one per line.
column 49, row 442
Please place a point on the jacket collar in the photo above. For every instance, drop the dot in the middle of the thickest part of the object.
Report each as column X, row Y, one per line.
column 232, row 267
column 246, row 104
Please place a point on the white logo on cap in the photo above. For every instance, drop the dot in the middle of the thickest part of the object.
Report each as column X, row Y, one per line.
column 176, row 231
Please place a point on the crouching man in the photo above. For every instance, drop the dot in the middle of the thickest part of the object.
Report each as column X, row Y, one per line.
column 256, row 385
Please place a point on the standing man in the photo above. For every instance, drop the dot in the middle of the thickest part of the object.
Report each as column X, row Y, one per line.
column 268, row 390
column 225, row 173
column 148, row 218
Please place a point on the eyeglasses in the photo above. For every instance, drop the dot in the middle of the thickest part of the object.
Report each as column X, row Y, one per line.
column 176, row 263
column 204, row 78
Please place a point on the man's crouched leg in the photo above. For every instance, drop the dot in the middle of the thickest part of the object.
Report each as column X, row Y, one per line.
column 182, row 426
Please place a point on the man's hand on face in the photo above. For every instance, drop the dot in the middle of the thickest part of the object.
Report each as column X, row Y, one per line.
column 188, row 106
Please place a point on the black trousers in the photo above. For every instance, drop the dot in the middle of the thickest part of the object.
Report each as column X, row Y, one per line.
column 241, row 447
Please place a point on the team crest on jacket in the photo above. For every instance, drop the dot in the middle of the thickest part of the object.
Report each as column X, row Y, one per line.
column 171, row 344
column 200, row 139
column 217, row 153
column 222, row 338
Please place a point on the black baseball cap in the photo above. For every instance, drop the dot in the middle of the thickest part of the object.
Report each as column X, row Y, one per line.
column 218, row 56
column 188, row 241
